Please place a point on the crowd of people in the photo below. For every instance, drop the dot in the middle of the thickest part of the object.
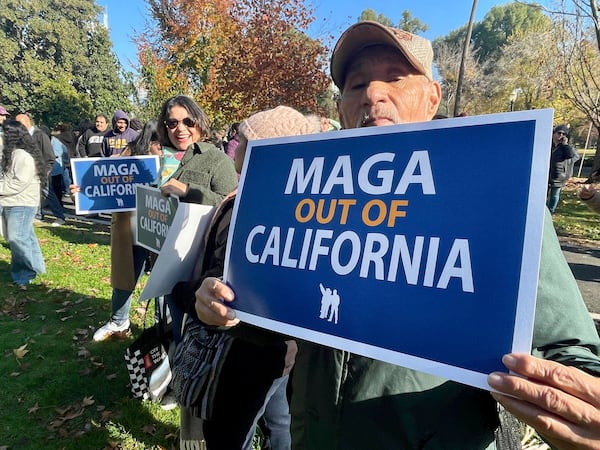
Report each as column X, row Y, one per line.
column 308, row 396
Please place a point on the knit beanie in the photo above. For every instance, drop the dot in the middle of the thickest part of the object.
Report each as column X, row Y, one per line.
column 279, row 121
column 563, row 128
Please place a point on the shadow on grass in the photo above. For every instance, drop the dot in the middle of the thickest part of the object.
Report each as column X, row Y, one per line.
column 62, row 390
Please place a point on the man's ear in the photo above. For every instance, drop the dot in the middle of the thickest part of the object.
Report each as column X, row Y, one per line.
column 435, row 97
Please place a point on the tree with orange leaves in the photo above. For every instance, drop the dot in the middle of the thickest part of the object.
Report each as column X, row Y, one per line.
column 233, row 56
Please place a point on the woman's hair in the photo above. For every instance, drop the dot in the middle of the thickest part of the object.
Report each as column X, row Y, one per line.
column 15, row 135
column 141, row 144
column 196, row 113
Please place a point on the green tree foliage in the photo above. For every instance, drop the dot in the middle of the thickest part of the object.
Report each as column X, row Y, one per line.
column 503, row 57
column 503, row 22
column 407, row 22
column 370, row 14
column 497, row 27
column 57, row 61
column 412, row 24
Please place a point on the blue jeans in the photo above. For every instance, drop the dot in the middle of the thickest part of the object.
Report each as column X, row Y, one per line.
column 276, row 414
column 121, row 299
column 553, row 197
column 26, row 256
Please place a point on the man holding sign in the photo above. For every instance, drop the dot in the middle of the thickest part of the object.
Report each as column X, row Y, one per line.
column 345, row 401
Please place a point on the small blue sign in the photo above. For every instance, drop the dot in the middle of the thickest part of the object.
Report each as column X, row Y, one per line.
column 109, row 184
column 415, row 244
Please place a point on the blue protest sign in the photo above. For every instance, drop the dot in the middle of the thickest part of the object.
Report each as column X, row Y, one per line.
column 108, row 184
column 415, row 244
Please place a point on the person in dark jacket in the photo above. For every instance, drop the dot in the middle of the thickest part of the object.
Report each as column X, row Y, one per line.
column 40, row 138
column 120, row 136
column 562, row 161
column 90, row 142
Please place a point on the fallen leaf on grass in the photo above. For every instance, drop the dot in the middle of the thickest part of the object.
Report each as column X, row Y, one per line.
column 33, row 409
column 55, row 425
column 21, row 351
column 73, row 414
column 87, row 401
column 112, row 376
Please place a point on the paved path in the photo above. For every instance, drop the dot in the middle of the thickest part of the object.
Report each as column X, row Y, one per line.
column 584, row 261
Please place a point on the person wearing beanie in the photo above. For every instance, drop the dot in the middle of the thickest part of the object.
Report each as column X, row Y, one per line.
column 562, row 162
column 341, row 400
column 3, row 114
column 255, row 372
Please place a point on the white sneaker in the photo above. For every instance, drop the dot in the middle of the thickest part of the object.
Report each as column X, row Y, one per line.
column 168, row 402
column 58, row 222
column 111, row 329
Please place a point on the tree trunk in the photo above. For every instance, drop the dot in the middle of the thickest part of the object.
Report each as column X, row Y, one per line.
column 463, row 60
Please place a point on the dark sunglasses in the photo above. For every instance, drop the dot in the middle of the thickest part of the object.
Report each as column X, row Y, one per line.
column 174, row 123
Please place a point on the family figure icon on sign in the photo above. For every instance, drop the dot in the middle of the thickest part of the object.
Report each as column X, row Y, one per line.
column 330, row 302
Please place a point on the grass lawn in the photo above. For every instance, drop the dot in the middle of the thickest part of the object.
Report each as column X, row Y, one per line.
column 63, row 391
column 573, row 218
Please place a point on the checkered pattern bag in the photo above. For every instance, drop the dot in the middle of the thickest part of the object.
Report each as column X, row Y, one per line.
column 147, row 361
column 137, row 374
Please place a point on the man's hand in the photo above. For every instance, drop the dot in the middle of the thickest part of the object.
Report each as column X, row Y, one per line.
column 174, row 187
column 210, row 303
column 562, row 403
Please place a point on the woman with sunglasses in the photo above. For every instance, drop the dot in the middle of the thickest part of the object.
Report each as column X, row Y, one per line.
column 205, row 174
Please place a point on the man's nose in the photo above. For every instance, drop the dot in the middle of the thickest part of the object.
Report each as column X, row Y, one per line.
column 377, row 91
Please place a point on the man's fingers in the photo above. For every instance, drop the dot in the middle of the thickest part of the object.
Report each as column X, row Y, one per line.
column 556, row 430
column 553, row 374
column 535, row 398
